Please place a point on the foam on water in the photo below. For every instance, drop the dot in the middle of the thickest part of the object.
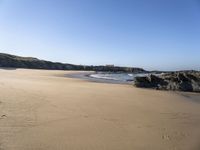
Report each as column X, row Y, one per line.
column 125, row 77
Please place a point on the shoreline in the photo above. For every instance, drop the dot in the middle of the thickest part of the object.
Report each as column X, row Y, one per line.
column 86, row 76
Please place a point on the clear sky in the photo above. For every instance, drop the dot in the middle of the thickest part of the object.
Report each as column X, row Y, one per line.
column 153, row 34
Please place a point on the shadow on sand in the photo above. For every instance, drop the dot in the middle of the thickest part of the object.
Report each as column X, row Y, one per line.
column 8, row 68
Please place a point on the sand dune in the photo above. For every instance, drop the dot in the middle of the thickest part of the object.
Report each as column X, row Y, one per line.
column 40, row 110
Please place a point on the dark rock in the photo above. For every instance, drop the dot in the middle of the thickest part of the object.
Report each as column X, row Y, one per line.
column 150, row 81
column 142, row 82
column 178, row 81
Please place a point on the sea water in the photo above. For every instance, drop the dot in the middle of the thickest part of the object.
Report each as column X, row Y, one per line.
column 124, row 77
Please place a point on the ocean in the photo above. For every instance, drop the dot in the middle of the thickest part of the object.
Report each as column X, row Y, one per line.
column 123, row 77
column 106, row 77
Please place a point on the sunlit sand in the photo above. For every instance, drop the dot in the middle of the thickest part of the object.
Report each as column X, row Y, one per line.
column 41, row 110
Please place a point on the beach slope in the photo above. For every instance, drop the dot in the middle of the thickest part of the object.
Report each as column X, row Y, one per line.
column 43, row 110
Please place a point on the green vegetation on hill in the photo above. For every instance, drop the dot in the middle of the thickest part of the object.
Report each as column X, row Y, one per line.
column 7, row 60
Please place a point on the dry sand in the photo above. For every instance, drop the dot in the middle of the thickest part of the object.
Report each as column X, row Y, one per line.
column 39, row 110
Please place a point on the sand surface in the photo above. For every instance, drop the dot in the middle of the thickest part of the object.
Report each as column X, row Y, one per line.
column 40, row 110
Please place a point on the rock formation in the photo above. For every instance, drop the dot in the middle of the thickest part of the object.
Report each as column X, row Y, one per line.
column 178, row 81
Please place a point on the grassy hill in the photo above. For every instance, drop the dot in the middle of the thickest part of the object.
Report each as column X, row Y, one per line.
column 7, row 60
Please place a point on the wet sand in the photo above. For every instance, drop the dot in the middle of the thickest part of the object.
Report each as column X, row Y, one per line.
column 42, row 110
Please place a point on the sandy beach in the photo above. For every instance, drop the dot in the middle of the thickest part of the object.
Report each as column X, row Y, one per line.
column 43, row 110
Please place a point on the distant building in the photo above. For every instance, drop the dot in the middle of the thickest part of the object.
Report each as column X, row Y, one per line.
column 110, row 65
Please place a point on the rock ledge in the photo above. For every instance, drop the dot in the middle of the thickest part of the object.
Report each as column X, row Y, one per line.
column 176, row 81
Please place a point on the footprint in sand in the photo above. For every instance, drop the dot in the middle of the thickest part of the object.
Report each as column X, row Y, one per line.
column 3, row 116
column 166, row 137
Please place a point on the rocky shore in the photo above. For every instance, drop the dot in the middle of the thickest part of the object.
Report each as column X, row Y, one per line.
column 188, row 81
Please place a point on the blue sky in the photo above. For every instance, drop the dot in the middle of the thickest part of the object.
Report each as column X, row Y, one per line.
column 153, row 34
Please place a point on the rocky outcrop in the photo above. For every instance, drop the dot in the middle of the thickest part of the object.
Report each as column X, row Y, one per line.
column 177, row 81
column 12, row 61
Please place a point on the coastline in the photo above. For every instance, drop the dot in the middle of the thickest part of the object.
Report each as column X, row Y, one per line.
column 42, row 109
column 86, row 76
